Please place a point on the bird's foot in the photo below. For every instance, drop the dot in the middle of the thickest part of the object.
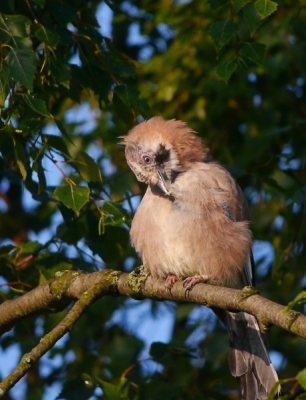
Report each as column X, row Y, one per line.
column 190, row 282
column 170, row 281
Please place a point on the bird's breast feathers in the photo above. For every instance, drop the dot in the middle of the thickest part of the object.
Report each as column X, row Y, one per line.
column 193, row 219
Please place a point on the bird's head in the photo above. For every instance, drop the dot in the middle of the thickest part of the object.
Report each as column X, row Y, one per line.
column 158, row 150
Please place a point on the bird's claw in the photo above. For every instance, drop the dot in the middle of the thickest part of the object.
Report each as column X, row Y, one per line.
column 170, row 281
column 190, row 282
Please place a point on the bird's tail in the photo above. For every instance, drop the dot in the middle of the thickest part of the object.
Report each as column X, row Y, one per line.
column 248, row 356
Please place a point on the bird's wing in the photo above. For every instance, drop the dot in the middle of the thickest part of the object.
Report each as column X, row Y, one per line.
column 229, row 195
column 248, row 271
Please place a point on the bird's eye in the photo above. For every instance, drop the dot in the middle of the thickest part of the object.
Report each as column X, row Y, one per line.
column 147, row 159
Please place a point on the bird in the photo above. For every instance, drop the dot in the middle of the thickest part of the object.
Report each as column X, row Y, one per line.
column 193, row 225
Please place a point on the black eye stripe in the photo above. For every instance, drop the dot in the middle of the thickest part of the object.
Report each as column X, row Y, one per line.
column 162, row 156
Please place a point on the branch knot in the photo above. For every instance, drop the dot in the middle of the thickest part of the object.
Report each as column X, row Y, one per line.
column 246, row 292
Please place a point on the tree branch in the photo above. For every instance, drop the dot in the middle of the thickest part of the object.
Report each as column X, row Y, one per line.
column 69, row 286
column 48, row 341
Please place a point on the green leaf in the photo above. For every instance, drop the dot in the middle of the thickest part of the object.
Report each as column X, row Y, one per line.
column 88, row 168
column 278, row 261
column 30, row 125
column 114, row 214
column 29, row 247
column 214, row 4
column 61, row 70
column 37, row 105
column 239, row 4
column 252, row 17
column 74, row 197
column 255, row 52
column 22, row 159
column 22, row 65
column 127, row 93
column 80, row 79
column 62, row 12
column 225, row 70
column 124, row 386
column 88, row 18
column 22, row 43
column 102, row 84
column 48, row 36
column 299, row 299
column 42, row 184
column 4, row 85
column 5, row 250
column 15, row 42
column 63, row 130
column 12, row 26
column 301, row 397
column 57, row 143
column 15, row 31
column 301, row 377
column 117, row 63
column 274, row 390
column 158, row 349
column 74, row 230
column 50, row 272
column 76, row 389
column 110, row 391
column 125, row 111
column 222, row 31
column 265, row 7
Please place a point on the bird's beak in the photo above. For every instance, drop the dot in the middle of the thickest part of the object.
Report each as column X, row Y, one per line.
column 162, row 178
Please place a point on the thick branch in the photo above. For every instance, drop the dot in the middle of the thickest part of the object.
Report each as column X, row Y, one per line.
column 54, row 295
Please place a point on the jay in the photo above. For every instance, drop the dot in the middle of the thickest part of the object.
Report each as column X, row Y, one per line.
column 193, row 224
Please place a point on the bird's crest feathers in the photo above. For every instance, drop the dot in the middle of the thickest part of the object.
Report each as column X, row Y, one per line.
column 157, row 132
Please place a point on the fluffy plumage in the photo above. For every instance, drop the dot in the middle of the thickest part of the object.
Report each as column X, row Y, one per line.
column 192, row 224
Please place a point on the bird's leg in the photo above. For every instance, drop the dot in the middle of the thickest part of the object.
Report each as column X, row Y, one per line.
column 170, row 281
column 191, row 281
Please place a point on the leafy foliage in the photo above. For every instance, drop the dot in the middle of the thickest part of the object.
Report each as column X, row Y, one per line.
column 235, row 71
